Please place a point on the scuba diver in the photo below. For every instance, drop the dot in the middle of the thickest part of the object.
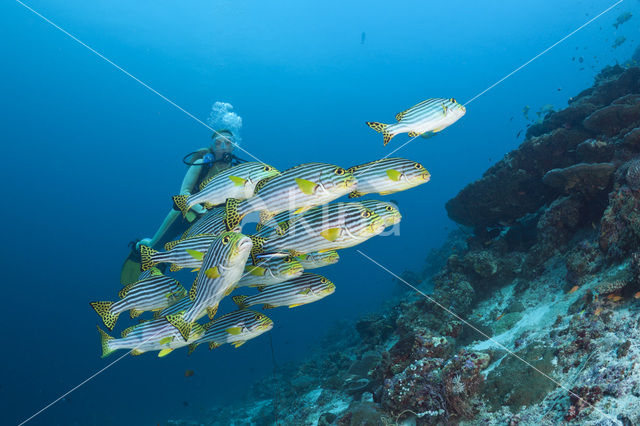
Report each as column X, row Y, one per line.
column 203, row 164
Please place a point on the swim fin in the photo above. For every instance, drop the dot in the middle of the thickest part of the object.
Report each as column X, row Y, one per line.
column 131, row 269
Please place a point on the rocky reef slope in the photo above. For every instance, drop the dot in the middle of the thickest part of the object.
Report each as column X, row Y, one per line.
column 537, row 318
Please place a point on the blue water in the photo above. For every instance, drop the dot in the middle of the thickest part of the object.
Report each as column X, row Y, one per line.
column 90, row 158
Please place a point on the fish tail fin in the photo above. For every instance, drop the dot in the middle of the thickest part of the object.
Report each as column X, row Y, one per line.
column 240, row 301
column 232, row 216
column 180, row 202
column 192, row 347
column 381, row 128
column 104, row 310
column 104, row 341
column 178, row 321
column 146, row 255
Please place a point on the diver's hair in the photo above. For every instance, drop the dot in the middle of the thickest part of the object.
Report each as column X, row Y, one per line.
column 222, row 117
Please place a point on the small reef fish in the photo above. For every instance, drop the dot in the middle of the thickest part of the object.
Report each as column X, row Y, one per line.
column 187, row 253
column 622, row 18
column 324, row 228
column 424, row 119
column 270, row 271
column 222, row 267
column 387, row 211
column 637, row 295
column 234, row 328
column 573, row 289
column 387, row 176
column 299, row 189
column 149, row 273
column 189, row 373
column 237, row 182
column 317, row 260
column 150, row 294
column 211, row 223
column 619, row 42
column 153, row 335
column 304, row 289
column 614, row 297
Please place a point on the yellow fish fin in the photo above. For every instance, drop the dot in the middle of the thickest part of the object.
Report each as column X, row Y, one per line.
column 104, row 310
column 180, row 201
column 175, row 267
column 355, row 194
column 136, row 352
column 238, row 343
column 166, row 340
column 197, row 255
column 301, row 210
column 306, row 186
column 193, row 290
column 134, row 313
column 184, row 327
column 212, row 272
column 237, row 181
column 213, row 345
column 265, row 216
column 211, row 311
column 164, row 352
column 255, row 270
column 394, row 175
column 331, row 234
column 205, row 182
column 234, row 330
column 413, row 134
column 268, row 306
column 401, row 114
column 387, row 192
column 296, row 304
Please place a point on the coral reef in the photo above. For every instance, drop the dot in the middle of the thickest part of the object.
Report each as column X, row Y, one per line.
column 534, row 317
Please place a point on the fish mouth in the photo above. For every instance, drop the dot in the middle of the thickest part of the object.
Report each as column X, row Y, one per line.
column 245, row 244
column 426, row 176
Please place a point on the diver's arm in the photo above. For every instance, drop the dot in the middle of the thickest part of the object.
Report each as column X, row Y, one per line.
column 189, row 184
column 166, row 224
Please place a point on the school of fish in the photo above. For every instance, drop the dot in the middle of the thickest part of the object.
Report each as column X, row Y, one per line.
column 300, row 227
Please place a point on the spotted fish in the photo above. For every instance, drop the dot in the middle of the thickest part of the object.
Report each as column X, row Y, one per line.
column 306, row 288
column 424, row 119
column 150, row 294
column 387, row 176
column 152, row 335
column 222, row 267
column 324, row 228
column 270, row 271
column 297, row 189
column 187, row 253
column 211, row 223
column 317, row 260
column 234, row 328
column 387, row 211
column 237, row 182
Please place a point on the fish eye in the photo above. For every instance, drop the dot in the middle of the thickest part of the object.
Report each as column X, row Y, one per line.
column 226, row 239
column 339, row 171
column 267, row 168
column 388, row 208
column 366, row 214
column 453, row 100
column 418, row 166
column 323, row 280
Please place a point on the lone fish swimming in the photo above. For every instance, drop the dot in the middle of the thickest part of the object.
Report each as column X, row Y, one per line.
column 424, row 119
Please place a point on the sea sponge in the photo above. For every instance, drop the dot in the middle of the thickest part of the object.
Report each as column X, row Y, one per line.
column 633, row 174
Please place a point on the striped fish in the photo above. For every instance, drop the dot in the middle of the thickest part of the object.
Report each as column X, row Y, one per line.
column 234, row 328
column 424, row 119
column 270, row 271
column 237, row 182
column 152, row 335
column 304, row 289
column 151, row 294
column 387, row 176
column 221, row 269
column 387, row 211
column 299, row 189
column 211, row 223
column 149, row 273
column 187, row 253
column 330, row 227
column 317, row 260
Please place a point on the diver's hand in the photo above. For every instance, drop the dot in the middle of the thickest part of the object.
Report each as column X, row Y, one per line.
column 143, row 242
column 199, row 209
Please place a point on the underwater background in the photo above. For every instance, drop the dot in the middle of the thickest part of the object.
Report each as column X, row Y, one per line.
column 90, row 159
